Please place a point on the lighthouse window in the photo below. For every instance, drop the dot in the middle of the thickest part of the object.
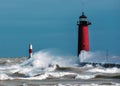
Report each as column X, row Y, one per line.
column 83, row 19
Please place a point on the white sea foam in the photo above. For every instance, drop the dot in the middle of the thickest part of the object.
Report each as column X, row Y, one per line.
column 48, row 75
column 105, row 70
column 85, row 76
column 4, row 76
column 92, row 84
column 43, row 59
column 59, row 75
column 44, row 65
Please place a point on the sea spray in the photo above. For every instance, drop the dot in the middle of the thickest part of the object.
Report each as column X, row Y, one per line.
column 98, row 57
column 4, row 76
column 43, row 59
column 45, row 65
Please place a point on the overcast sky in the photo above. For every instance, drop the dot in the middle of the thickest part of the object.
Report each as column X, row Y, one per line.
column 51, row 24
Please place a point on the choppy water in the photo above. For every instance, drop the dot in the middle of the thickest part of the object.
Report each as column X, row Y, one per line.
column 44, row 66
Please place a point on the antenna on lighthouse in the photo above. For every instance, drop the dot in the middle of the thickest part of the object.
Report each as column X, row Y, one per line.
column 82, row 4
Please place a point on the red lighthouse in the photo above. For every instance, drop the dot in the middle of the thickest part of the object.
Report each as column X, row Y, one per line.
column 83, row 36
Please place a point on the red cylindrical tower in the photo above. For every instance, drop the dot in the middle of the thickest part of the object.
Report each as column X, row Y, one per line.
column 83, row 36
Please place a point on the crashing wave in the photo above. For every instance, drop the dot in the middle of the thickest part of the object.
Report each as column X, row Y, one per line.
column 46, row 66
